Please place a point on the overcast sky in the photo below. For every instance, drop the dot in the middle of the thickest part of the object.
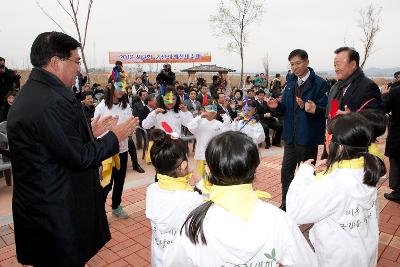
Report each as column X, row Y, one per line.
column 183, row 25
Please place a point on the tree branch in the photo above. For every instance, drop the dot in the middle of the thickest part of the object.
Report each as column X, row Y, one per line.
column 77, row 8
column 47, row 15
column 66, row 11
column 87, row 22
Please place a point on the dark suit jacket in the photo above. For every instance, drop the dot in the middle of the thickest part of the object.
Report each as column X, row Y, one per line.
column 185, row 97
column 220, row 111
column 262, row 109
column 200, row 98
column 140, row 110
column 391, row 102
column 190, row 106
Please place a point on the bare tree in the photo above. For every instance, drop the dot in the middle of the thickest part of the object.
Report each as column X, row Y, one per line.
column 233, row 21
column 72, row 12
column 369, row 23
column 266, row 62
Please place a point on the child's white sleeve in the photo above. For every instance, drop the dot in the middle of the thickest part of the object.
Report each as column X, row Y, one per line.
column 258, row 134
column 235, row 125
column 194, row 125
column 186, row 117
column 308, row 200
column 179, row 253
column 99, row 110
column 226, row 125
column 150, row 120
column 297, row 252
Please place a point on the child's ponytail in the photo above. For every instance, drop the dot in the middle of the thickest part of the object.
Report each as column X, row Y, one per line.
column 374, row 168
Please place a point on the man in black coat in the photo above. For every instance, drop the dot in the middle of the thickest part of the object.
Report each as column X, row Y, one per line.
column 353, row 89
column 88, row 107
column 268, row 120
column 58, row 207
column 391, row 102
column 140, row 110
column 9, row 80
column 166, row 76
column 137, row 110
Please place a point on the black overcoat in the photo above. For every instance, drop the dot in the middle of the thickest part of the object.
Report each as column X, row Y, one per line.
column 58, row 210
column 391, row 102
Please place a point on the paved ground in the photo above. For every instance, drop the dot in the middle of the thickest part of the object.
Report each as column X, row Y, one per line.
column 130, row 244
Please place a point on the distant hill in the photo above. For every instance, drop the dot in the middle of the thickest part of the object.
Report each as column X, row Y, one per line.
column 378, row 72
column 371, row 72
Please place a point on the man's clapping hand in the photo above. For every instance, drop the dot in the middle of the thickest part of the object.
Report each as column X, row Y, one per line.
column 100, row 126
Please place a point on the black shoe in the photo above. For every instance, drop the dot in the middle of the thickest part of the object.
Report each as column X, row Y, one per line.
column 393, row 196
column 267, row 146
column 137, row 168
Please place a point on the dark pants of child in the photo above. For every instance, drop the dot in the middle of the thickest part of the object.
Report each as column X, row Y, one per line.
column 118, row 180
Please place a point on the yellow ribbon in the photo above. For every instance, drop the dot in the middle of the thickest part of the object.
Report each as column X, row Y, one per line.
column 376, row 151
column 344, row 164
column 172, row 184
column 238, row 199
column 148, row 158
column 108, row 165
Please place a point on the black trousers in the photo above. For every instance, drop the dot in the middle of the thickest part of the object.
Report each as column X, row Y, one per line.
column 139, row 138
column 117, row 180
column 275, row 125
column 132, row 151
column 394, row 174
column 293, row 155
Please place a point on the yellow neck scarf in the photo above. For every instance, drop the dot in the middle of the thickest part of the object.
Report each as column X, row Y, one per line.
column 376, row 151
column 344, row 164
column 238, row 199
column 172, row 184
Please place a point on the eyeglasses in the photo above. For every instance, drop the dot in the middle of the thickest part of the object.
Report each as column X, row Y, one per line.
column 77, row 62
column 297, row 63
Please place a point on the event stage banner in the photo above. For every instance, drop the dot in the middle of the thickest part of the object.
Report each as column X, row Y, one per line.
column 159, row 57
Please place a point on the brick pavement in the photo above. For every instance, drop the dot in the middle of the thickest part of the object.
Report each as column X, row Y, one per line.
column 130, row 243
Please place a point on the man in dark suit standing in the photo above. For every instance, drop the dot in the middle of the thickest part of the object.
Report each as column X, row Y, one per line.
column 141, row 110
column 303, row 128
column 391, row 102
column 58, row 207
column 268, row 121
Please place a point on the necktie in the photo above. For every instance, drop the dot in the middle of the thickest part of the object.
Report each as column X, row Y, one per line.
column 204, row 100
column 300, row 82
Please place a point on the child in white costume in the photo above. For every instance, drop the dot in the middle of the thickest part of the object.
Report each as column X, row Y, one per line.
column 234, row 227
column 341, row 200
column 204, row 128
column 169, row 110
column 248, row 122
column 171, row 199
